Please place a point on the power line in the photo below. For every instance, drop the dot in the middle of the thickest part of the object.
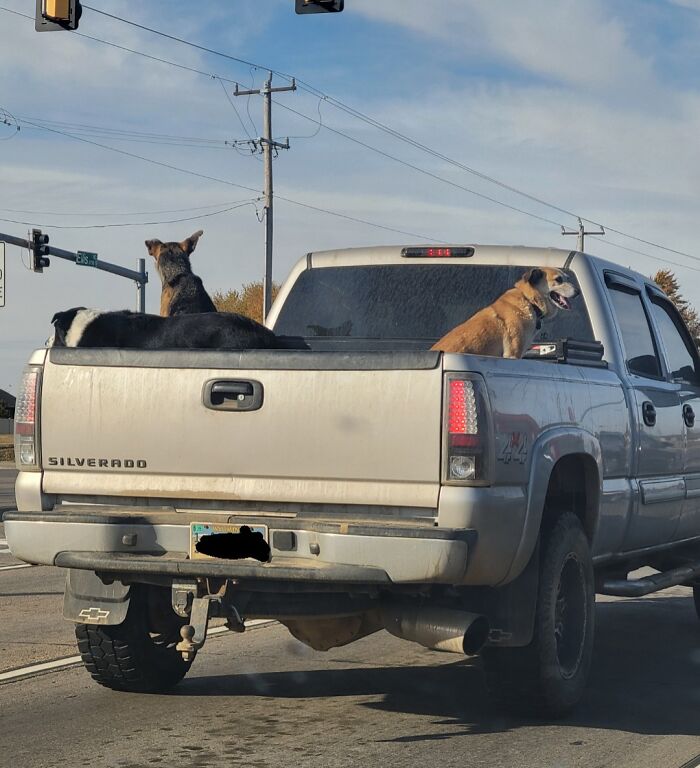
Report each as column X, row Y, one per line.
column 392, row 132
column 231, row 183
column 132, row 223
column 356, row 114
column 182, row 40
column 118, row 131
column 145, row 159
column 422, row 170
column 649, row 256
column 110, row 213
column 353, row 218
column 235, row 109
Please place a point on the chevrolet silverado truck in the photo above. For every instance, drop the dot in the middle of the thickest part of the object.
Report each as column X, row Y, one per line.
column 469, row 504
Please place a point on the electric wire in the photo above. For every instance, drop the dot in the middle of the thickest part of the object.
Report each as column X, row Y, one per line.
column 145, row 159
column 423, row 170
column 111, row 213
column 354, row 113
column 131, row 223
column 396, row 134
column 231, row 183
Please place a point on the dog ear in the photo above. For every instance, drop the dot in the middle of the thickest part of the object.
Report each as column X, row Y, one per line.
column 153, row 247
column 533, row 276
column 191, row 243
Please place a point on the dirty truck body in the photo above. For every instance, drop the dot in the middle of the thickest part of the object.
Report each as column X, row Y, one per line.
column 454, row 500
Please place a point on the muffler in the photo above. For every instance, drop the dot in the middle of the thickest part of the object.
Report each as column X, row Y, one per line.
column 442, row 629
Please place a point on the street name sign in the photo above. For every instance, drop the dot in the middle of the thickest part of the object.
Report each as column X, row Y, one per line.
column 86, row 259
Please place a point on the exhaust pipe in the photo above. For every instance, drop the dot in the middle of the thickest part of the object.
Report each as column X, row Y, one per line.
column 442, row 629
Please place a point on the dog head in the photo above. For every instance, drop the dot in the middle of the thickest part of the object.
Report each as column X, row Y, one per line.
column 70, row 325
column 549, row 289
column 173, row 258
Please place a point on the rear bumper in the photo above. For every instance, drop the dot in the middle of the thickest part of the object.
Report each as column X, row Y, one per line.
column 347, row 553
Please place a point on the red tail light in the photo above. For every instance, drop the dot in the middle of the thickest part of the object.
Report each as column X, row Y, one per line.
column 27, row 420
column 466, row 431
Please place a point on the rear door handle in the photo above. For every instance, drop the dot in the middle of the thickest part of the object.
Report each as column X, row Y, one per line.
column 649, row 413
column 688, row 415
column 232, row 395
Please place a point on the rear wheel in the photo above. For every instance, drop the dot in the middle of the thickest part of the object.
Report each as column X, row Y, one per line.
column 138, row 655
column 549, row 675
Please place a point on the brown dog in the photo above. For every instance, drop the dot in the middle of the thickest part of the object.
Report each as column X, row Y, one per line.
column 182, row 292
column 507, row 327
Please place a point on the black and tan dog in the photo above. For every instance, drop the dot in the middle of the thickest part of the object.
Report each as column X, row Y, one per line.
column 182, row 292
column 507, row 327
column 81, row 327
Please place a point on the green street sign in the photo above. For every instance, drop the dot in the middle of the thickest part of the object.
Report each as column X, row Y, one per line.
column 86, row 259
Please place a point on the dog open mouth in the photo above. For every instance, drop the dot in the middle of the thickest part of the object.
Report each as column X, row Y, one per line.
column 561, row 301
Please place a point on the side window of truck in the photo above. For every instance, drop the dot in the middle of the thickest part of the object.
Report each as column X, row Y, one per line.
column 640, row 351
column 680, row 355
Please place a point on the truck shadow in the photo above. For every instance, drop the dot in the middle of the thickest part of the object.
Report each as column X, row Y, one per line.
column 645, row 680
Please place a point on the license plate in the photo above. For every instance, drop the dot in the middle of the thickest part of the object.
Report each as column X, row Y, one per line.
column 198, row 530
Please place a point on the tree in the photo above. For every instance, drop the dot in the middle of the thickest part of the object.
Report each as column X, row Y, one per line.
column 668, row 283
column 247, row 300
column 4, row 410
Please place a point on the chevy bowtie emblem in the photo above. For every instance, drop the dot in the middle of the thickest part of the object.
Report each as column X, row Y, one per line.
column 93, row 614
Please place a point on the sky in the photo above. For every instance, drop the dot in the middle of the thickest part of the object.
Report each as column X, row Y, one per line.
column 591, row 106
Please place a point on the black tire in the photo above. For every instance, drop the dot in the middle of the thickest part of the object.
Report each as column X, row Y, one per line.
column 548, row 676
column 696, row 596
column 138, row 655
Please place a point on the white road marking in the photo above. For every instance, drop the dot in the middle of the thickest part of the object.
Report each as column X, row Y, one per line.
column 15, row 567
column 72, row 661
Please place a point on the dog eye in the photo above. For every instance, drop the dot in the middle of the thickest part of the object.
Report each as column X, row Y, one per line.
column 558, row 279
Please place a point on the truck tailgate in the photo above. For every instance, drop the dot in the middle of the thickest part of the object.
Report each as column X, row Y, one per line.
column 333, row 428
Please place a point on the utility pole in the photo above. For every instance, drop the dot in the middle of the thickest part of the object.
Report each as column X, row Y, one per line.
column 267, row 145
column 580, row 233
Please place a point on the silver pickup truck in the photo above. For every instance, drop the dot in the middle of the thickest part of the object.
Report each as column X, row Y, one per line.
column 470, row 504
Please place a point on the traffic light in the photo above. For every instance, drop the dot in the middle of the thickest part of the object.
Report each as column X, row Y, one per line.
column 319, row 6
column 52, row 15
column 39, row 251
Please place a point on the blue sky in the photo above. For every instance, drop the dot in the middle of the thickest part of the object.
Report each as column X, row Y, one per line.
column 592, row 105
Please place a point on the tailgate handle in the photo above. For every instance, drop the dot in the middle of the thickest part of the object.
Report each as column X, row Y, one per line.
column 233, row 395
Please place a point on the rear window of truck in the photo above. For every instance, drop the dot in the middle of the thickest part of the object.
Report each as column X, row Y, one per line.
column 396, row 301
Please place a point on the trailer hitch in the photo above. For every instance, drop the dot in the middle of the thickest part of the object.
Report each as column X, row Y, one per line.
column 201, row 609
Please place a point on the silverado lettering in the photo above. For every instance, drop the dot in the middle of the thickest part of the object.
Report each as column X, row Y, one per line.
column 70, row 461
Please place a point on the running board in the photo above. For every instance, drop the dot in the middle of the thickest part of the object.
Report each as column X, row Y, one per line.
column 649, row 584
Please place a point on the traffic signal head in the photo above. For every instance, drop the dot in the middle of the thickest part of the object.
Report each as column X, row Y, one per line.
column 53, row 15
column 319, row 6
column 39, row 255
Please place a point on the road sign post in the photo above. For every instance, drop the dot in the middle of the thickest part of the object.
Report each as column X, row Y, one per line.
column 2, row 274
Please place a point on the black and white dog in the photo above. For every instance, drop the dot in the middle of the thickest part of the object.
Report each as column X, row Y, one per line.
column 81, row 327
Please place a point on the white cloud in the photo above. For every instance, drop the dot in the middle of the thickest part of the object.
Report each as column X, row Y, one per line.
column 573, row 41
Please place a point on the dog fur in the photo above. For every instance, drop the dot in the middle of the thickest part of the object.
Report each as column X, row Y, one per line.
column 182, row 292
column 81, row 327
column 507, row 327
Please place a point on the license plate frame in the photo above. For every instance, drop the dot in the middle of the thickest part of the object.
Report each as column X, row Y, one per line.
column 197, row 530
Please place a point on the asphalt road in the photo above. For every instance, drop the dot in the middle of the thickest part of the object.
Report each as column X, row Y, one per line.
column 264, row 699
column 7, row 486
